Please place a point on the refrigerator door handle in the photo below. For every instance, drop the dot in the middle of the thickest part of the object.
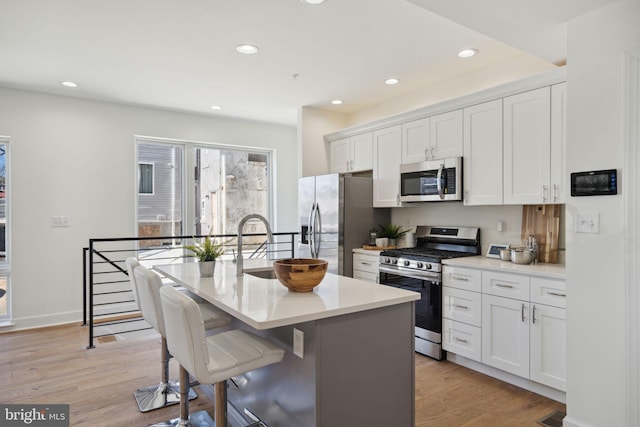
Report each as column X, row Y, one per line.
column 317, row 230
column 311, row 230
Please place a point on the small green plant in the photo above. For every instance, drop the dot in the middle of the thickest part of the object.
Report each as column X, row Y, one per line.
column 391, row 231
column 209, row 250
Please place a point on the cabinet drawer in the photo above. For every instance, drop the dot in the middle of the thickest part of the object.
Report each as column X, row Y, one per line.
column 462, row 278
column 462, row 339
column 462, row 306
column 505, row 285
column 367, row 263
column 549, row 292
column 365, row 275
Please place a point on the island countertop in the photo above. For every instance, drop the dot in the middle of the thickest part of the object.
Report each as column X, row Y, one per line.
column 265, row 303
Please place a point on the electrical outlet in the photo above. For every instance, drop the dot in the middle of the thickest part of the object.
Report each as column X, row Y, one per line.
column 59, row 221
column 298, row 343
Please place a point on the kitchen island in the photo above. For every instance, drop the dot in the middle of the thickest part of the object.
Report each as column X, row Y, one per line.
column 354, row 364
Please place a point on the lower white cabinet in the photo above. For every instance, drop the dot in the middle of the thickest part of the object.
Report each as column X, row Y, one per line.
column 365, row 266
column 513, row 322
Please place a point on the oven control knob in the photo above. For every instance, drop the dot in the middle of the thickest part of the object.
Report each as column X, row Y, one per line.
column 386, row 260
column 406, row 263
column 420, row 265
column 428, row 266
column 394, row 261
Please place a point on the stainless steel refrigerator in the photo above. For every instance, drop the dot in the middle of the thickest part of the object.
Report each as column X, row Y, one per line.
column 335, row 215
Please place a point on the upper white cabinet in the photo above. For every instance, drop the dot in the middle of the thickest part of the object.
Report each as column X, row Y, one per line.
column 527, row 147
column 352, row 154
column 559, row 182
column 434, row 137
column 482, row 163
column 386, row 167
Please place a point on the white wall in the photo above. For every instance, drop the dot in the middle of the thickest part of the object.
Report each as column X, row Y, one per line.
column 313, row 124
column 596, row 44
column 76, row 158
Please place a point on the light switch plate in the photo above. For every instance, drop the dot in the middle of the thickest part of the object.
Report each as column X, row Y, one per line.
column 298, row 343
column 59, row 221
column 588, row 222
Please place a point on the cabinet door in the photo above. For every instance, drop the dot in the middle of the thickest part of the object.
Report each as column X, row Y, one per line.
column 386, row 167
column 558, row 143
column 446, row 135
column 505, row 334
column 415, row 141
column 527, row 147
column 549, row 346
column 340, row 151
column 361, row 152
column 482, row 165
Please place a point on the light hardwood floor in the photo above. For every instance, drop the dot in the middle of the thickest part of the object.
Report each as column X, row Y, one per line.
column 52, row 365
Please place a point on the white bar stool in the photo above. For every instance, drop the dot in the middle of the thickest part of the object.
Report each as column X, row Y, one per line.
column 210, row 360
column 146, row 285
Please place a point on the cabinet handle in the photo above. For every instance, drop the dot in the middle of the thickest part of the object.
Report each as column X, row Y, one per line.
column 461, row 340
column 426, row 153
column 556, row 294
column 365, row 263
column 522, row 312
column 377, row 278
column 347, row 167
column 533, row 318
column 545, row 190
column 556, row 190
column 398, row 199
column 351, row 165
column 464, row 307
column 466, row 196
column 464, row 279
column 500, row 285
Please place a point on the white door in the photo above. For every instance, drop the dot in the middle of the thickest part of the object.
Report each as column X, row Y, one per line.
column 482, row 164
column 361, row 152
column 527, row 147
column 415, row 141
column 446, row 135
column 505, row 334
column 549, row 346
column 340, row 152
column 386, row 167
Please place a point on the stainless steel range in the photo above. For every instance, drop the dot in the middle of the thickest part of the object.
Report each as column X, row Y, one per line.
column 420, row 269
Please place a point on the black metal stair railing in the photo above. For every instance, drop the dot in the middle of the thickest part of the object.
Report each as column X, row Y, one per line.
column 108, row 305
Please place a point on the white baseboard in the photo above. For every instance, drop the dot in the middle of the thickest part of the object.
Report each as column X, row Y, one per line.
column 570, row 422
column 32, row 322
column 543, row 390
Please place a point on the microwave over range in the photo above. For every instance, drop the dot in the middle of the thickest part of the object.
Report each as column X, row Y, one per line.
column 431, row 181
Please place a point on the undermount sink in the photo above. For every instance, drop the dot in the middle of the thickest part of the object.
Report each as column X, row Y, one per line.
column 263, row 274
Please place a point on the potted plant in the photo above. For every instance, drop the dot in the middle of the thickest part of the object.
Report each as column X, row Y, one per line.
column 391, row 232
column 207, row 252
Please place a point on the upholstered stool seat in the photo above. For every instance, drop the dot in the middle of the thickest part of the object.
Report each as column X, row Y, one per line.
column 210, row 360
column 145, row 289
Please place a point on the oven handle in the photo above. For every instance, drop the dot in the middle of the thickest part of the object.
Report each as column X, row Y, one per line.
column 413, row 274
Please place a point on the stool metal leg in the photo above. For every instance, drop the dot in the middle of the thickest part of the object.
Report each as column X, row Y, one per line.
column 160, row 395
column 197, row 419
column 220, row 407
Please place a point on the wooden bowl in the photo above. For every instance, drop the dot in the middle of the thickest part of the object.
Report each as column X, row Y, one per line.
column 300, row 274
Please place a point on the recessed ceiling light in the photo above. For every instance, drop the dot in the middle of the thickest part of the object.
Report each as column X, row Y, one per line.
column 391, row 81
column 216, row 107
column 247, row 49
column 336, row 101
column 467, row 53
column 312, row 1
column 69, row 84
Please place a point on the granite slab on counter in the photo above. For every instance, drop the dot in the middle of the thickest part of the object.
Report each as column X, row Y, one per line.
column 553, row 271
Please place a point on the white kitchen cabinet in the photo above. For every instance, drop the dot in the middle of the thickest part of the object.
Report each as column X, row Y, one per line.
column 559, row 182
column 365, row 266
column 548, row 362
column 505, row 334
column 435, row 137
column 468, row 279
column 527, row 147
column 505, row 285
column 445, row 139
column 482, row 152
column 463, row 339
column 415, row 141
column 353, row 154
column 462, row 306
column 386, row 167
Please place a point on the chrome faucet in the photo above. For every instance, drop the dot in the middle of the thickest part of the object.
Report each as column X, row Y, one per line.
column 243, row 221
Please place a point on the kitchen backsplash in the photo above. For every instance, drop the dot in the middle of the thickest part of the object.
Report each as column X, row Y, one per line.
column 485, row 217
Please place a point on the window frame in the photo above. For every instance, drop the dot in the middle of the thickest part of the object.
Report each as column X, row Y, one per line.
column 5, row 266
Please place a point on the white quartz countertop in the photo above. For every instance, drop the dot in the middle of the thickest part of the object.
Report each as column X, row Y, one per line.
column 555, row 271
column 367, row 251
column 265, row 303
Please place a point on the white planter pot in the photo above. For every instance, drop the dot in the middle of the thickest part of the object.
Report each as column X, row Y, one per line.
column 207, row 268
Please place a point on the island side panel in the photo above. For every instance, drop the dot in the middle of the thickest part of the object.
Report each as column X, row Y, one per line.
column 366, row 370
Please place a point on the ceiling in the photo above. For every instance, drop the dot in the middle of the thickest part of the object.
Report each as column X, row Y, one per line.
column 162, row 54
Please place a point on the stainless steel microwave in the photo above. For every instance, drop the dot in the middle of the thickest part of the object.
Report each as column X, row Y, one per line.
column 431, row 181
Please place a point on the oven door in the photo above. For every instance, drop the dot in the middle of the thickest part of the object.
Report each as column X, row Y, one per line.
column 428, row 309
